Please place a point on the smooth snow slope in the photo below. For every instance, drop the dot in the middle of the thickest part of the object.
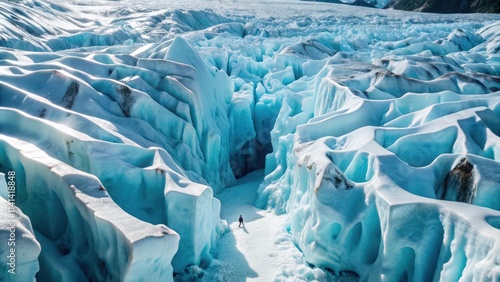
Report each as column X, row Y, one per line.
column 121, row 120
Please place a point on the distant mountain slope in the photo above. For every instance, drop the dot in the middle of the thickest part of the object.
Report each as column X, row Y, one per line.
column 453, row 6
column 430, row 6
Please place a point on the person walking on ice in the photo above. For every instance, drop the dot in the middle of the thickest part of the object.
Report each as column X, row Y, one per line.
column 241, row 221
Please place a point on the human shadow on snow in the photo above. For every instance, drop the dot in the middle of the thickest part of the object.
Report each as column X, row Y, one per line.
column 245, row 229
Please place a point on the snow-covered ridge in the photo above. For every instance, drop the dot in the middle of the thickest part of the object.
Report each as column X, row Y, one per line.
column 151, row 111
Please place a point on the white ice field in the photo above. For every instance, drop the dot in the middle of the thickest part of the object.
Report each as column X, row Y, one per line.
column 372, row 138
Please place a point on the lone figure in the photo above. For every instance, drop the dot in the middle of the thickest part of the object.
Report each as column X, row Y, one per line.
column 241, row 221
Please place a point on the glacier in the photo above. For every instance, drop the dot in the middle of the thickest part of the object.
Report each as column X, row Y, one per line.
column 378, row 132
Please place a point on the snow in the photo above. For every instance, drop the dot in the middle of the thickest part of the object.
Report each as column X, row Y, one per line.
column 261, row 249
column 374, row 133
column 247, row 249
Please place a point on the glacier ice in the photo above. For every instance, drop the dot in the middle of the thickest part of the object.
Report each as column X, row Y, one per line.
column 147, row 180
column 17, row 233
column 364, row 178
column 378, row 132
column 78, row 224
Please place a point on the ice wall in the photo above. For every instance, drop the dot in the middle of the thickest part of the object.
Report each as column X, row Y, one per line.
column 374, row 180
column 19, row 256
column 144, row 127
column 81, row 230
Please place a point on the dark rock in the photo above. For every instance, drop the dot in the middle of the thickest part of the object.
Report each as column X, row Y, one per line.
column 459, row 183
column 127, row 100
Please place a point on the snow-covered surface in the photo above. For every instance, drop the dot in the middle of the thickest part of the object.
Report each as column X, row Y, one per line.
column 261, row 249
column 123, row 119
